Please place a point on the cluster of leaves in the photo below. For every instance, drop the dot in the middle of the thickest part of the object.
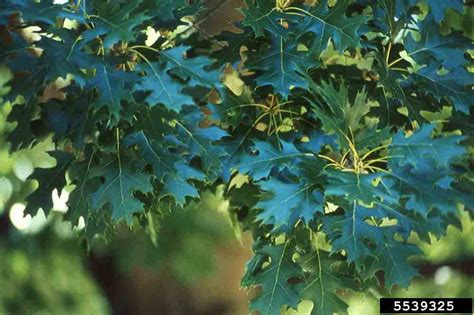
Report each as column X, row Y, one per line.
column 340, row 129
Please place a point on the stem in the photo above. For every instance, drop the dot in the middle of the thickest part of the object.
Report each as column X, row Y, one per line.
column 327, row 158
column 373, row 221
column 395, row 62
column 389, row 49
column 281, row 104
column 374, row 150
column 343, row 159
column 401, row 69
column 145, row 47
column 118, row 148
column 380, row 160
column 380, row 170
column 247, row 105
column 73, row 46
column 294, row 13
column 305, row 12
column 146, row 60
column 265, row 15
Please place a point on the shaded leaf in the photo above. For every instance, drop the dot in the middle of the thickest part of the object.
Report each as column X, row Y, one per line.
column 163, row 88
column 332, row 23
column 281, row 64
column 273, row 278
column 172, row 172
column 48, row 179
column 452, row 85
column 289, row 202
column 113, row 87
column 118, row 189
column 322, row 282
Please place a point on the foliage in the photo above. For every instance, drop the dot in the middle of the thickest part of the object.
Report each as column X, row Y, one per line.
column 46, row 279
column 340, row 129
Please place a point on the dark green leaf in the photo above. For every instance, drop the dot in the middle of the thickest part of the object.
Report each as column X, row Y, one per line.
column 163, row 88
column 172, row 172
column 289, row 202
column 332, row 23
column 434, row 46
column 323, row 281
column 452, row 85
column 115, row 22
column 113, row 87
column 281, row 63
column 118, row 189
column 48, row 179
column 273, row 278
column 261, row 15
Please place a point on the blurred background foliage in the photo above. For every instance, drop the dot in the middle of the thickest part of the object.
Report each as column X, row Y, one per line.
column 46, row 274
column 194, row 268
column 194, row 265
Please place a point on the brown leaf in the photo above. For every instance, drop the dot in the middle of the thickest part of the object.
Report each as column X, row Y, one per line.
column 220, row 16
column 53, row 90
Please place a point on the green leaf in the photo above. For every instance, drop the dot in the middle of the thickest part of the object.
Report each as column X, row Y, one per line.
column 162, row 87
column 193, row 70
column 98, row 225
column 427, row 188
column 200, row 141
column 317, row 140
column 363, row 187
column 364, row 243
column 392, row 259
column 437, row 7
column 332, row 23
column 48, row 179
column 79, row 201
column 115, row 22
column 6, row 191
column 322, row 282
column 265, row 157
column 261, row 15
column 350, row 232
column 178, row 186
column 433, row 45
column 319, row 229
column 171, row 11
column 281, row 63
column 119, row 188
column 335, row 111
column 421, row 148
column 392, row 90
column 5, row 77
column 44, row 11
column 113, row 87
column 289, row 202
column 452, row 85
column 64, row 45
column 271, row 268
column 229, row 110
column 173, row 172
column 421, row 167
